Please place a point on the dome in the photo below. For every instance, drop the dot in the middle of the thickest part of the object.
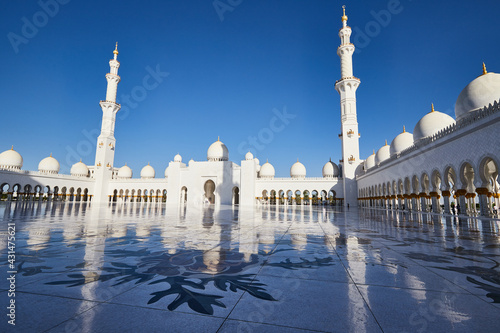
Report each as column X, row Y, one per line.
column 257, row 164
column 249, row 156
column 125, row 172
column 370, row 161
column 166, row 172
column 178, row 158
column 481, row 92
column 430, row 124
column 383, row 154
column 330, row 170
column 11, row 160
column 401, row 142
column 79, row 169
column 49, row 165
column 217, row 152
column 298, row 170
column 147, row 172
column 266, row 171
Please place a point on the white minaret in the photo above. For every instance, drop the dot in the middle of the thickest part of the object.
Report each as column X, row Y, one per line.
column 346, row 87
column 105, row 151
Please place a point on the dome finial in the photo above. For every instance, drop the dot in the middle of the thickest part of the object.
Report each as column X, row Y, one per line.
column 432, row 107
column 404, row 129
column 50, row 154
column 218, row 138
column 386, row 142
column 344, row 17
column 484, row 69
column 373, row 152
column 116, row 49
column 12, row 147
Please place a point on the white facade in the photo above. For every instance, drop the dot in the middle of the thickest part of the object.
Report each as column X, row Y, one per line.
column 442, row 159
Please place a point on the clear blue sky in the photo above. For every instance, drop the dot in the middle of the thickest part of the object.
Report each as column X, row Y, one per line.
column 226, row 76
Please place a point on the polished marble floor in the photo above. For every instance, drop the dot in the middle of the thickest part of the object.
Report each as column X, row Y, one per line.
column 145, row 267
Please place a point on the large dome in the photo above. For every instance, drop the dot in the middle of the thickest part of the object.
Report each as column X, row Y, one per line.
column 430, row 124
column 330, row 170
column 217, row 152
column 49, row 165
column 148, row 172
column 79, row 169
column 401, row 142
column 383, row 154
column 298, row 170
column 370, row 161
column 481, row 92
column 125, row 172
column 11, row 160
column 266, row 171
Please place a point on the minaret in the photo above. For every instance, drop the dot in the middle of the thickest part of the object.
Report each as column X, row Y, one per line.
column 346, row 87
column 105, row 151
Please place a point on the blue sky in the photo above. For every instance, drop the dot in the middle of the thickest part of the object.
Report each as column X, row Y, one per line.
column 227, row 71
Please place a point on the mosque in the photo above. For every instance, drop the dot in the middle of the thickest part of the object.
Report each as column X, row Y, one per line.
column 445, row 166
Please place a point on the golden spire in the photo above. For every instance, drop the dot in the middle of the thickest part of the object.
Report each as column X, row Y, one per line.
column 218, row 138
column 484, row 69
column 404, row 129
column 116, row 49
column 344, row 17
column 373, row 152
column 50, row 155
column 386, row 142
column 432, row 107
column 12, row 147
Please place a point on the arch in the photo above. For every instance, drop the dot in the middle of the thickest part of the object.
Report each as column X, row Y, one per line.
column 281, row 195
column 315, row 197
column 85, row 194
column 488, row 173
column 184, row 194
column 209, row 189
column 467, row 176
column 436, row 180
column 63, row 193
column 298, row 197
column 265, row 195
column 307, row 196
column 425, row 183
column 164, row 195
column 236, row 195
column 289, row 195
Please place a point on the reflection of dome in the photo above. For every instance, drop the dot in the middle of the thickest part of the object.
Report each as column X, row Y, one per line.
column 401, row 142
column 330, row 170
column 266, row 171
column 430, row 124
column 249, row 156
column 481, row 92
column 79, row 169
column 298, row 170
column 147, row 172
column 166, row 172
column 217, row 152
column 178, row 158
column 383, row 154
column 125, row 172
column 11, row 160
column 370, row 161
column 49, row 165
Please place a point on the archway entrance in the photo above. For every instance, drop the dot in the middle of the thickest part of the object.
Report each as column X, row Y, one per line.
column 236, row 196
column 210, row 191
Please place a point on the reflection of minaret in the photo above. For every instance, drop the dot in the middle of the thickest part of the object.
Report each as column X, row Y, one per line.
column 346, row 87
column 105, row 151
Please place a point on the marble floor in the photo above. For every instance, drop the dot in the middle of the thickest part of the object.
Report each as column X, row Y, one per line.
column 145, row 267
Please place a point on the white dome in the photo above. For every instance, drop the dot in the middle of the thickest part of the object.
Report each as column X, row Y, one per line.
column 217, row 152
column 401, row 142
column 298, row 170
column 330, row 170
column 430, row 124
column 125, row 172
column 370, row 161
column 257, row 164
column 79, row 169
column 11, row 160
column 166, row 172
column 49, row 165
column 249, row 156
column 147, row 172
column 266, row 171
column 481, row 92
column 178, row 158
column 383, row 154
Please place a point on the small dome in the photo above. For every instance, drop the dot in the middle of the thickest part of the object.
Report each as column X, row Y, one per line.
column 148, row 172
column 401, row 142
column 298, row 170
column 125, row 172
column 383, row 154
column 430, row 124
column 49, row 165
column 330, row 170
column 257, row 164
column 217, row 152
column 11, row 160
column 267, row 171
column 166, row 172
column 249, row 156
column 370, row 161
column 79, row 169
column 178, row 158
column 481, row 92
